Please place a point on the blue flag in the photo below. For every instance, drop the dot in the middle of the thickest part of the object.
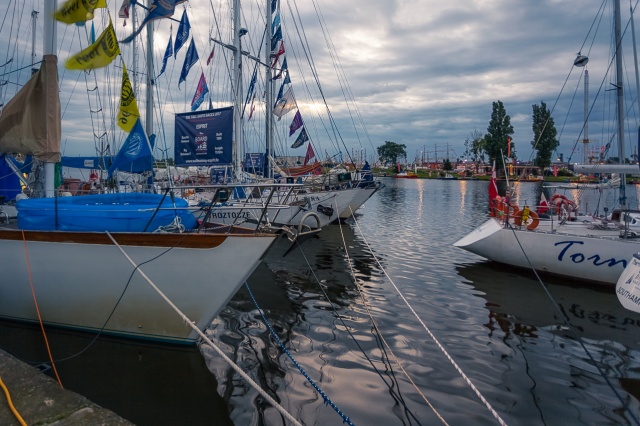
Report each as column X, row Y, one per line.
column 296, row 123
column 302, row 138
column 135, row 154
column 276, row 22
column 201, row 90
column 190, row 59
column 167, row 54
column 183, row 32
column 159, row 9
column 277, row 36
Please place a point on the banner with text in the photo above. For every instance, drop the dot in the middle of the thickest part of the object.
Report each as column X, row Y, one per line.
column 204, row 138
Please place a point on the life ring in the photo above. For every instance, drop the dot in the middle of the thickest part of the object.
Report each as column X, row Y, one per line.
column 532, row 221
column 559, row 201
column 504, row 209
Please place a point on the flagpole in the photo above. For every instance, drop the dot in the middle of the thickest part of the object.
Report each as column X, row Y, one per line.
column 268, row 96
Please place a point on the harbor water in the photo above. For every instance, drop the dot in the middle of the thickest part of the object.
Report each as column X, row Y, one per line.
column 361, row 299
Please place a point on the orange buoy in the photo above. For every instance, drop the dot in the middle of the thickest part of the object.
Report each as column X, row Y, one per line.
column 532, row 221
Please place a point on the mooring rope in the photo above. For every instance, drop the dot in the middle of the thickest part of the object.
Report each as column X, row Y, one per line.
column 437, row 342
column 567, row 322
column 204, row 337
column 379, row 332
column 326, row 399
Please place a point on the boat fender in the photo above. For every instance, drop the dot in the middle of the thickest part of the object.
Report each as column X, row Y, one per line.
column 527, row 217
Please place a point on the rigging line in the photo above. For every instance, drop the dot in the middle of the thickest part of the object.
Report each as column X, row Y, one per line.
column 437, row 342
column 17, row 69
column 378, row 331
column 35, row 302
column 572, row 328
column 306, row 50
column 190, row 323
column 337, row 314
column 326, row 398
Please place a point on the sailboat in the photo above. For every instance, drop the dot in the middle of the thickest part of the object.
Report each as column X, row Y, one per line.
column 96, row 275
column 594, row 251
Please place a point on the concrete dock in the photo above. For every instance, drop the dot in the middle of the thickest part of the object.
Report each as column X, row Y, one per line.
column 40, row 400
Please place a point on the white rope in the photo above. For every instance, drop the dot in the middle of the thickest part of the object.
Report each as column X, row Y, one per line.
column 444, row 351
column 207, row 339
column 366, row 306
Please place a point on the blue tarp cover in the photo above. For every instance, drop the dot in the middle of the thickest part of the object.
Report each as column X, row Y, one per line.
column 124, row 212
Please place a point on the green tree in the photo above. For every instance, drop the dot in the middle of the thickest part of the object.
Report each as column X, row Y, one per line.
column 474, row 148
column 391, row 151
column 544, row 135
column 498, row 135
column 446, row 165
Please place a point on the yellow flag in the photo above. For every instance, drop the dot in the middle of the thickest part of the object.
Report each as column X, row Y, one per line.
column 99, row 54
column 73, row 11
column 128, row 113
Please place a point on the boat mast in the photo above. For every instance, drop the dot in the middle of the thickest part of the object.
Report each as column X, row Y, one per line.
column 237, row 85
column 150, row 74
column 50, row 37
column 635, row 62
column 269, row 93
column 620, row 98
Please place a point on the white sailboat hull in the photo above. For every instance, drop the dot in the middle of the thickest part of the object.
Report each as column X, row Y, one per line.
column 592, row 257
column 83, row 281
column 361, row 197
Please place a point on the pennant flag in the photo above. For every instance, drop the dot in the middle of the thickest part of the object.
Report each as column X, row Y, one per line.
column 135, row 154
column 211, row 55
column 128, row 113
column 276, row 23
column 201, row 90
column 302, row 138
column 543, row 207
column 124, row 9
column 282, row 70
column 183, row 33
column 493, row 189
column 93, row 33
column 252, row 85
column 99, row 54
column 167, row 54
column 190, row 59
column 309, row 156
column 278, row 54
column 285, row 104
column 277, row 36
column 253, row 107
column 274, row 5
column 280, row 92
column 73, row 11
column 159, row 9
column 295, row 124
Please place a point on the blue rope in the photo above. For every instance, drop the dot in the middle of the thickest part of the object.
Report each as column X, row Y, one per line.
column 327, row 401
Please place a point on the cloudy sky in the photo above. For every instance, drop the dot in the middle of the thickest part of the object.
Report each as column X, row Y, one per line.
column 423, row 73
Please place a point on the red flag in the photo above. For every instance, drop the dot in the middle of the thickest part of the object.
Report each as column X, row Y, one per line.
column 543, row 208
column 211, row 55
column 493, row 189
column 253, row 107
column 310, row 154
column 278, row 54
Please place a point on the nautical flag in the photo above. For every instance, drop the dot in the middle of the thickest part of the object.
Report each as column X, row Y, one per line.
column 252, row 85
column 277, row 36
column 282, row 70
column 98, row 54
column 280, row 92
column 285, row 104
column 543, row 208
column 159, row 9
column 276, row 23
column 274, row 5
column 309, row 156
column 493, row 189
column 296, row 123
column 124, row 9
column 211, row 55
column 135, row 150
column 301, row 139
column 128, row 113
column 73, row 11
column 167, row 54
column 201, row 90
column 93, row 33
column 278, row 54
column 253, row 107
column 183, row 33
column 190, row 59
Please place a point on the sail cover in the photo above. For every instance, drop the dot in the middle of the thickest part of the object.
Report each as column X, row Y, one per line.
column 30, row 122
